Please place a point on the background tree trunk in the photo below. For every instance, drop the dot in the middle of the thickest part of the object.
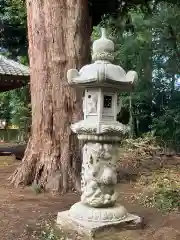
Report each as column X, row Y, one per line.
column 59, row 37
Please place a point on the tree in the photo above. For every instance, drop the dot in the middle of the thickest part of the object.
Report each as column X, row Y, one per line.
column 167, row 64
column 13, row 27
column 58, row 34
column 20, row 114
column 5, row 107
column 14, row 107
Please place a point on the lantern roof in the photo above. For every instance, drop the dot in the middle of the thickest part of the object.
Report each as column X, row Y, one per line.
column 102, row 73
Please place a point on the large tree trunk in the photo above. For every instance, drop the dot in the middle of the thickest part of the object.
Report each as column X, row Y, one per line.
column 59, row 37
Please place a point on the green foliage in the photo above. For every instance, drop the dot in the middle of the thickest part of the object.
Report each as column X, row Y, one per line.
column 167, row 125
column 13, row 27
column 5, row 108
column 37, row 188
column 50, row 233
column 166, row 199
column 14, row 107
column 114, row 8
column 20, row 113
column 150, row 44
column 13, row 42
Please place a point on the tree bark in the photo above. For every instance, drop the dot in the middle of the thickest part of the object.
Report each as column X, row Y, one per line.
column 59, row 39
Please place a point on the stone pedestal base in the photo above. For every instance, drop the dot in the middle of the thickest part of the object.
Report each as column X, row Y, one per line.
column 106, row 230
column 83, row 212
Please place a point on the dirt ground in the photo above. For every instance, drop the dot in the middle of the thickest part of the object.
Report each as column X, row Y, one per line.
column 22, row 210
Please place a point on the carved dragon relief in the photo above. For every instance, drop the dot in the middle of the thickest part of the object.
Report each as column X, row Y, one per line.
column 99, row 174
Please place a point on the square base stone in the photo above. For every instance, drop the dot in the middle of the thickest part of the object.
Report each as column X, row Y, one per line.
column 97, row 230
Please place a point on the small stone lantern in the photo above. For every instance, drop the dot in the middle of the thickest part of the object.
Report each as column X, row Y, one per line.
column 101, row 134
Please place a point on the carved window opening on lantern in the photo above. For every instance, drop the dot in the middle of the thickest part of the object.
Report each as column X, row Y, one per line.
column 107, row 101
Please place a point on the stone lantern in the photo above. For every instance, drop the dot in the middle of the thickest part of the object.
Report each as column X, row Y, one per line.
column 101, row 134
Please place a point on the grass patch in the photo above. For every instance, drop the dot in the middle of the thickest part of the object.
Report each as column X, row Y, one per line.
column 161, row 190
column 37, row 188
column 49, row 233
column 45, row 231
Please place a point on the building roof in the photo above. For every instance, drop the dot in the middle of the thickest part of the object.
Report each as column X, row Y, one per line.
column 12, row 74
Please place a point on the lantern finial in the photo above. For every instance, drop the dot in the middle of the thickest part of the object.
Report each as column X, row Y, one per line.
column 103, row 48
column 103, row 33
